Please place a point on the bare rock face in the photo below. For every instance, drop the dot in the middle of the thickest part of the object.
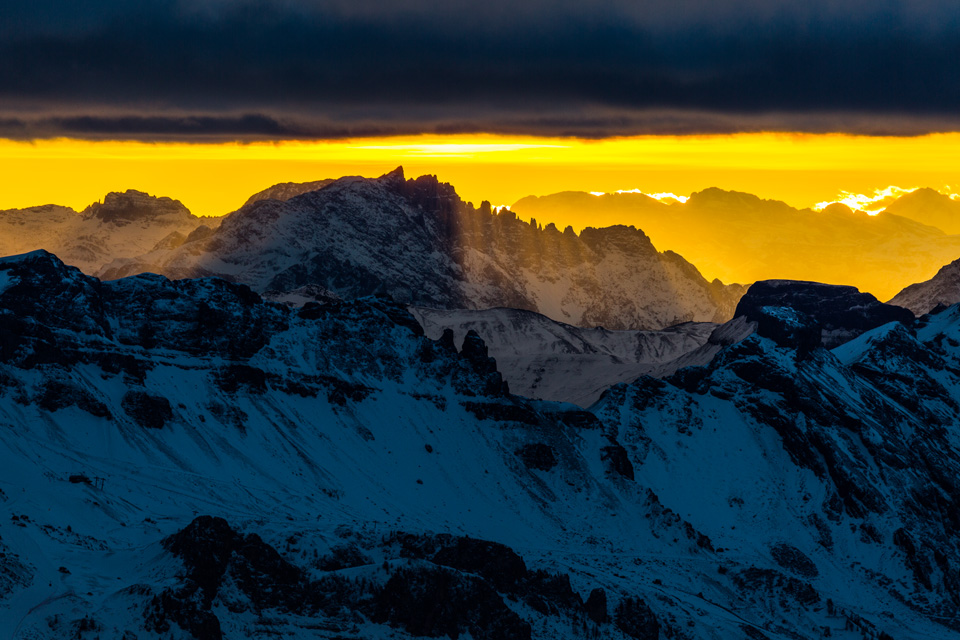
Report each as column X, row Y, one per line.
column 134, row 206
column 286, row 190
column 812, row 312
column 942, row 290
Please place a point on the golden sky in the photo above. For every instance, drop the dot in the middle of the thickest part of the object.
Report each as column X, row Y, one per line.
column 214, row 179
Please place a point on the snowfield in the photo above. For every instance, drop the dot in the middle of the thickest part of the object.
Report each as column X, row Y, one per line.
column 329, row 471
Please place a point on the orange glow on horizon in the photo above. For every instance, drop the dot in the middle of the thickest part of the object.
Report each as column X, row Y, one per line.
column 214, row 179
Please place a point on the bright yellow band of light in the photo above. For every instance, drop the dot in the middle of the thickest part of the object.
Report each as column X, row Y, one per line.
column 214, row 179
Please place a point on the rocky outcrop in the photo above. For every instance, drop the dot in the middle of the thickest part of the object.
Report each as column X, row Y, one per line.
column 942, row 290
column 801, row 310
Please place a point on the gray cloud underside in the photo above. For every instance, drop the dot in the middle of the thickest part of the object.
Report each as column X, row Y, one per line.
column 224, row 69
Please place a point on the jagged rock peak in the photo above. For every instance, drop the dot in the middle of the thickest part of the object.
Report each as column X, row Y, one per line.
column 840, row 312
column 131, row 205
column 393, row 177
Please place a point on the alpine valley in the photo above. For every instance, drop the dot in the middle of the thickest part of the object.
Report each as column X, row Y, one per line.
column 363, row 408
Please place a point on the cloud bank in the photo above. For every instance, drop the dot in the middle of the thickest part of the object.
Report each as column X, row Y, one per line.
column 235, row 69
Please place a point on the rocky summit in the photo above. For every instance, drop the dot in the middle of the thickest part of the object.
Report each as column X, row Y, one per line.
column 834, row 314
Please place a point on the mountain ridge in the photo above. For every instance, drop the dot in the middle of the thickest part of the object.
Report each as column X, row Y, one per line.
column 739, row 237
column 124, row 224
column 418, row 242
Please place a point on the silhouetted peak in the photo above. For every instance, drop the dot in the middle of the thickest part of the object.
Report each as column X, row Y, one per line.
column 131, row 205
column 623, row 236
column 716, row 197
column 924, row 198
column 394, row 177
column 40, row 255
column 837, row 209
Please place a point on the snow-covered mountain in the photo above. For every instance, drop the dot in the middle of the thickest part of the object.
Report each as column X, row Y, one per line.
column 549, row 360
column 841, row 463
column 124, row 225
column 738, row 237
column 943, row 289
column 184, row 460
column 416, row 241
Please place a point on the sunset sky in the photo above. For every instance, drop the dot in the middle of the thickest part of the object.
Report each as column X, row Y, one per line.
column 208, row 101
column 214, row 179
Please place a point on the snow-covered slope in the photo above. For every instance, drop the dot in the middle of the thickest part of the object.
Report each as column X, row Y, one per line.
column 124, row 225
column 943, row 289
column 549, row 360
column 844, row 465
column 541, row 358
column 418, row 242
column 184, row 460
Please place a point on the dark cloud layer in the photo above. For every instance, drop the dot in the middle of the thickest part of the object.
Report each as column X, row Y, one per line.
column 227, row 69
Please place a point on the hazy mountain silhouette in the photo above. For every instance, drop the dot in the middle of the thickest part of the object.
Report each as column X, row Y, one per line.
column 929, row 207
column 738, row 237
column 124, row 225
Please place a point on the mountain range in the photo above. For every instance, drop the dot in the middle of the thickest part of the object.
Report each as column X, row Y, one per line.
column 124, row 225
column 419, row 243
column 738, row 237
column 362, row 408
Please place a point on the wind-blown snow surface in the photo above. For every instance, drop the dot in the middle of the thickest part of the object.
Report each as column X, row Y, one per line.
column 124, row 225
column 549, row 360
column 416, row 241
column 336, row 443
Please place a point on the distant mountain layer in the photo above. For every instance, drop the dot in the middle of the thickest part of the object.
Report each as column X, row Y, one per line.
column 738, row 237
column 418, row 242
column 286, row 190
column 929, row 207
column 124, row 225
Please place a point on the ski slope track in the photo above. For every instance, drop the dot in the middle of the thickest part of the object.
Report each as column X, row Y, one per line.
column 184, row 460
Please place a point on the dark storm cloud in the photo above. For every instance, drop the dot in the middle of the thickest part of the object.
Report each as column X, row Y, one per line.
column 328, row 69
